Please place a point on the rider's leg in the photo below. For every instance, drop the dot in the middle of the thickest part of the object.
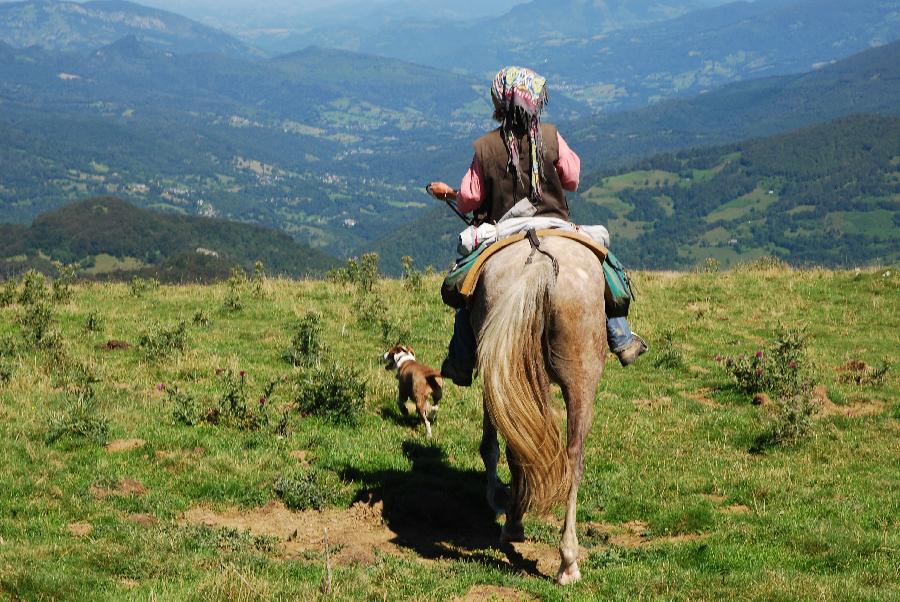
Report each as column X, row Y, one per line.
column 626, row 344
column 461, row 354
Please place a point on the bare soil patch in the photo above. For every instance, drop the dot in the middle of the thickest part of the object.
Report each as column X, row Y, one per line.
column 736, row 509
column 115, row 345
column 124, row 445
column 493, row 593
column 636, row 534
column 144, row 520
column 123, row 488
column 80, row 529
column 702, row 397
column 302, row 456
column 855, row 410
column 761, row 399
column 654, row 403
column 714, row 498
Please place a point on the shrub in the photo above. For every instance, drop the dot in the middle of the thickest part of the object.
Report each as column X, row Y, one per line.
column 200, row 319
column 858, row 373
column 368, row 273
column 308, row 490
column 412, row 278
column 335, row 393
column 62, row 284
column 185, row 409
column 306, row 343
column 36, row 323
column 34, row 288
column 236, row 282
column 258, row 280
column 139, row 286
column 778, row 369
column 667, row 354
column 710, row 265
column 6, row 373
column 93, row 322
column 160, row 342
column 234, row 408
column 791, row 423
column 8, row 293
column 762, row 264
column 81, row 419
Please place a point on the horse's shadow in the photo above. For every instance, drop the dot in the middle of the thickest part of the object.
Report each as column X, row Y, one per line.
column 438, row 511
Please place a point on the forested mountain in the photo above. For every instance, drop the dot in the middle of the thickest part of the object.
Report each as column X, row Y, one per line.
column 828, row 195
column 107, row 235
column 868, row 82
column 324, row 144
column 597, row 53
column 63, row 25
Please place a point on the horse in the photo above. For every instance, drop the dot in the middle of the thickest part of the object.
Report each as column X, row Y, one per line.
column 539, row 318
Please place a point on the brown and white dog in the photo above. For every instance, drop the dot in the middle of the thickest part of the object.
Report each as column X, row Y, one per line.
column 416, row 381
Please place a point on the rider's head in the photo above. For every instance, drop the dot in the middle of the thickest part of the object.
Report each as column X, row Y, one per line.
column 519, row 96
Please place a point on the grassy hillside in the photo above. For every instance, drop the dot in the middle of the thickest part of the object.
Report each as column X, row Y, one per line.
column 204, row 441
column 107, row 235
column 826, row 194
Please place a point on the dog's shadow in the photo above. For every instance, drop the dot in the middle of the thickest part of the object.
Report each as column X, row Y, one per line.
column 438, row 511
column 392, row 412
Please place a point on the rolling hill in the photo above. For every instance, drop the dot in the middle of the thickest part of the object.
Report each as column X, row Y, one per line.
column 63, row 25
column 113, row 238
column 828, row 194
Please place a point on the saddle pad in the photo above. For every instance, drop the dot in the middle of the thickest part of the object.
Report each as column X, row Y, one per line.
column 467, row 287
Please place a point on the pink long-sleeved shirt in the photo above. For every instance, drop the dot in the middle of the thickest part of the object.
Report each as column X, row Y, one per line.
column 471, row 190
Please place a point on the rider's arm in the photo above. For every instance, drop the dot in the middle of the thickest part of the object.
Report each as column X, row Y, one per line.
column 471, row 189
column 568, row 166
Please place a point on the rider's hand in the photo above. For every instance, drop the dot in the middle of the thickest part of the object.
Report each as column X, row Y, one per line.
column 442, row 191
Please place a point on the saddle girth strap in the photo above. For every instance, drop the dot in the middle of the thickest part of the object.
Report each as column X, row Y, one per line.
column 535, row 242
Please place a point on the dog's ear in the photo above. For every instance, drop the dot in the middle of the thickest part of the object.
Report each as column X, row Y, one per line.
column 410, row 350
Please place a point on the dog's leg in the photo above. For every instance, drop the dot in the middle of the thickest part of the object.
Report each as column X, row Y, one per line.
column 401, row 401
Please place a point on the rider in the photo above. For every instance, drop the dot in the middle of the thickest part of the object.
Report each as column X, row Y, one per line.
column 523, row 158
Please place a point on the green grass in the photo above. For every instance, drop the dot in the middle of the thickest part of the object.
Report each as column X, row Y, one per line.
column 668, row 448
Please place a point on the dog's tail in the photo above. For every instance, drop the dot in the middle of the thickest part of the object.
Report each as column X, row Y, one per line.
column 437, row 386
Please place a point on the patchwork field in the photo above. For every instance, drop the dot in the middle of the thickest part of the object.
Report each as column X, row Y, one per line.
column 241, row 441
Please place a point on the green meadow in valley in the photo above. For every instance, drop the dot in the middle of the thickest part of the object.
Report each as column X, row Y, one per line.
column 241, row 441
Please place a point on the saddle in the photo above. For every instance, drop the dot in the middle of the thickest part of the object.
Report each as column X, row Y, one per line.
column 460, row 284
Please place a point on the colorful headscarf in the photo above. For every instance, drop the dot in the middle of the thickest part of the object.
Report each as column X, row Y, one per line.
column 519, row 92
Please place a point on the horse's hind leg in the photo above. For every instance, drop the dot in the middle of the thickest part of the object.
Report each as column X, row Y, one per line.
column 490, row 454
column 579, row 410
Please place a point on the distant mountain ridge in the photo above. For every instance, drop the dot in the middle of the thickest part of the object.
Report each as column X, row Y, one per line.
column 868, row 82
column 64, row 25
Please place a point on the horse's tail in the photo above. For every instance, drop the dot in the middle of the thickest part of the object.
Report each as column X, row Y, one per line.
column 514, row 375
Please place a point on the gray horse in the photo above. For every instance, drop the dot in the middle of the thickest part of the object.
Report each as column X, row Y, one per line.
column 536, row 327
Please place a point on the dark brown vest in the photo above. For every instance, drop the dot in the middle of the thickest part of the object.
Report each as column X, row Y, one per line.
column 502, row 190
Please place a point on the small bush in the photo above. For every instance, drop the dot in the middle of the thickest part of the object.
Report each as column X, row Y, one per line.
column 93, row 322
column 34, row 288
column 36, row 322
column 81, row 419
column 185, row 409
column 62, row 284
column 792, row 422
column 8, row 293
column 362, row 272
column 234, row 408
column 258, row 281
column 200, row 319
column 306, row 344
column 233, row 301
column 333, row 392
column 160, row 342
column 860, row 374
column 309, row 490
column 140, row 286
column 412, row 278
column 762, row 264
column 779, row 369
column 667, row 354
column 710, row 265
column 6, row 372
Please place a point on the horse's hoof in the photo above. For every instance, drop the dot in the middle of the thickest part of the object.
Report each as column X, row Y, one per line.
column 567, row 576
column 512, row 534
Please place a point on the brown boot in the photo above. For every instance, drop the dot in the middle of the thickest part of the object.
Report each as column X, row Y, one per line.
column 632, row 350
